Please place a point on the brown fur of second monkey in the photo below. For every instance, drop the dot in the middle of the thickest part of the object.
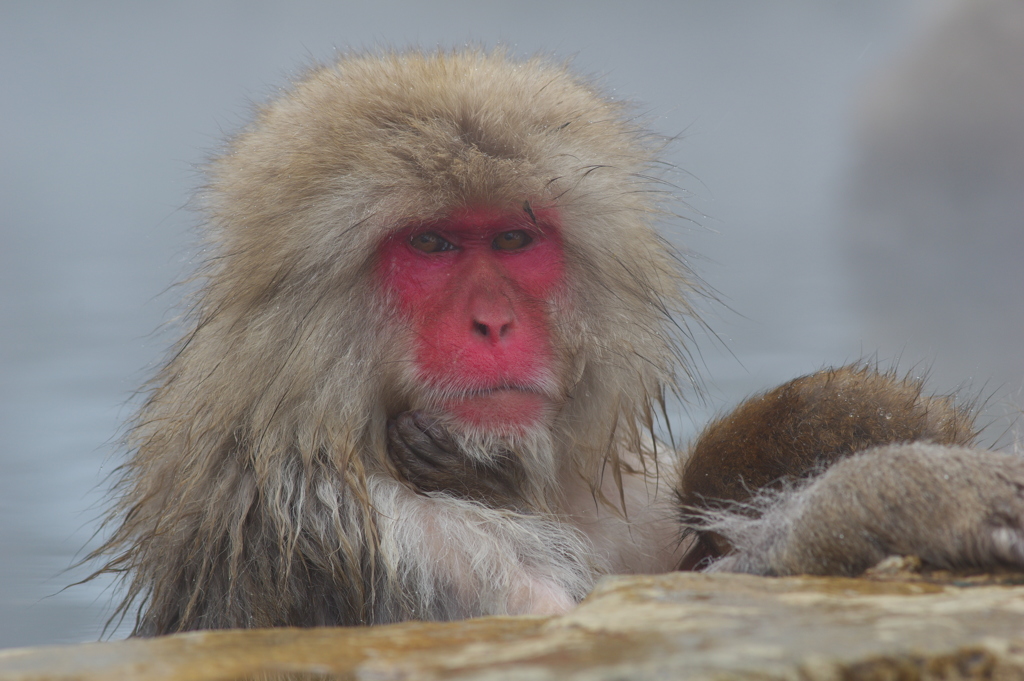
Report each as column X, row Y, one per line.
column 802, row 427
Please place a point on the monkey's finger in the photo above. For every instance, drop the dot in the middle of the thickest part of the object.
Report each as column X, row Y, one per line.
column 432, row 428
column 405, row 456
column 409, row 429
column 398, row 450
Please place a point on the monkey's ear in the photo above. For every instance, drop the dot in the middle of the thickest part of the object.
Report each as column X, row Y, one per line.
column 800, row 429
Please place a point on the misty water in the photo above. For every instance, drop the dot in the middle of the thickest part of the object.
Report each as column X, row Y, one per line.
column 854, row 174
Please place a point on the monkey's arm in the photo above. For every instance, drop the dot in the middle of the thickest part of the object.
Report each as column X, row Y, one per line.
column 952, row 507
column 429, row 459
column 446, row 558
column 645, row 541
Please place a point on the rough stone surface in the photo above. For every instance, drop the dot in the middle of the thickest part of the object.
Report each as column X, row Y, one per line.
column 895, row 626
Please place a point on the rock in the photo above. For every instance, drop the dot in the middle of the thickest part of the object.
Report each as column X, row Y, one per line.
column 676, row 626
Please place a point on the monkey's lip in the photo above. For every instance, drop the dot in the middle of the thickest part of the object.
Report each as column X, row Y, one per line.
column 501, row 407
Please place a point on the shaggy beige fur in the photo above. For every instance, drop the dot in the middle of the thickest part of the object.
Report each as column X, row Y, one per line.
column 257, row 491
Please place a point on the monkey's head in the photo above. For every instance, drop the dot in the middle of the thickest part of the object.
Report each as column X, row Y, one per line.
column 459, row 233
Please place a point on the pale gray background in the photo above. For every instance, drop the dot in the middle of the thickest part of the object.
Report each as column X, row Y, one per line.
column 856, row 187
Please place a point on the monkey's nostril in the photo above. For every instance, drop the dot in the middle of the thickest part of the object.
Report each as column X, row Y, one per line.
column 492, row 332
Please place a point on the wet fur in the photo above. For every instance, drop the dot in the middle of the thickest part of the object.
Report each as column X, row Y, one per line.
column 257, row 490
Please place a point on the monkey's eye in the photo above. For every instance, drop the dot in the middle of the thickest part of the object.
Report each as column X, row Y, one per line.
column 510, row 241
column 428, row 242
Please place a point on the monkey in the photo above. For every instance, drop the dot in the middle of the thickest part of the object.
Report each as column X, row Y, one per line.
column 831, row 473
column 423, row 373
column 802, row 427
column 462, row 235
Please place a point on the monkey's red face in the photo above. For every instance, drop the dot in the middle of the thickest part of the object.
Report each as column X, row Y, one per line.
column 476, row 289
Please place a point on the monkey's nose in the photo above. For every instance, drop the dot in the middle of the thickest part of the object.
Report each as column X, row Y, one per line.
column 491, row 306
column 493, row 332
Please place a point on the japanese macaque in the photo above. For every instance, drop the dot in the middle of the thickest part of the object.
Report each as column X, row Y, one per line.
column 796, row 431
column 425, row 366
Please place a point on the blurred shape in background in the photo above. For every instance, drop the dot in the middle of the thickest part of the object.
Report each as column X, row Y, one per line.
column 937, row 201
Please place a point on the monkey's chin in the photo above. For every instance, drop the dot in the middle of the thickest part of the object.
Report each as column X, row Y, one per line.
column 501, row 410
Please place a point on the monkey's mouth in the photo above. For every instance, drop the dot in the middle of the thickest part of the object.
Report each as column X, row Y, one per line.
column 500, row 408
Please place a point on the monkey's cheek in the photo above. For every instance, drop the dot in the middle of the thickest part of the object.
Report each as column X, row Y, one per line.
column 501, row 410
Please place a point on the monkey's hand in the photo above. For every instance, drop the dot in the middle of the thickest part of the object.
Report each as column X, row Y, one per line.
column 952, row 507
column 429, row 459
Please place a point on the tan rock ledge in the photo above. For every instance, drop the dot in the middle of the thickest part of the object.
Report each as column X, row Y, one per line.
column 678, row 626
